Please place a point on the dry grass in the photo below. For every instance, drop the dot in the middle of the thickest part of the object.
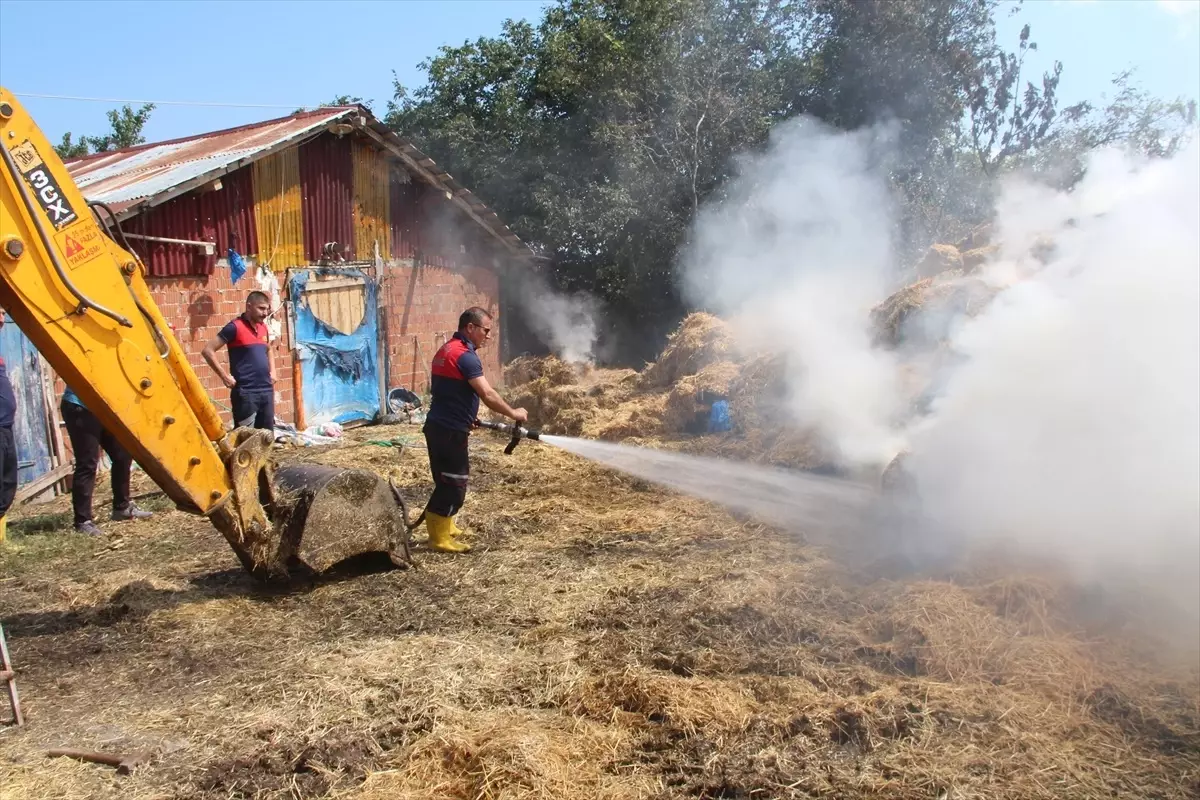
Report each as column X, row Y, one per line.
column 604, row 640
column 681, row 408
column 939, row 258
column 924, row 309
column 530, row 368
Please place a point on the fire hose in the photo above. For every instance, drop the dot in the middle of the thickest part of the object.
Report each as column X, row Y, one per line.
column 518, row 433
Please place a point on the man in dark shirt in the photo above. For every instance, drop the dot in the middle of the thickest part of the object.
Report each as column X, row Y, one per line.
column 251, row 375
column 8, row 446
column 457, row 385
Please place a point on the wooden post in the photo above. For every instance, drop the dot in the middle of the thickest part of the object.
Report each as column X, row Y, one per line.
column 58, row 457
column 297, row 377
column 383, row 363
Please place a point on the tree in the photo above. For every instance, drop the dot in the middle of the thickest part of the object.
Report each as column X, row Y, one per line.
column 127, row 126
column 900, row 60
column 1132, row 118
column 904, row 62
column 340, row 100
column 126, row 131
column 71, row 149
column 598, row 133
column 1006, row 121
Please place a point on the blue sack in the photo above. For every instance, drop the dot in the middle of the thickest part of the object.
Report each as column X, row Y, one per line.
column 237, row 267
column 718, row 418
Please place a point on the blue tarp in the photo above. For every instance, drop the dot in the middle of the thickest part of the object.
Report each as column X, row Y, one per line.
column 340, row 372
column 30, row 431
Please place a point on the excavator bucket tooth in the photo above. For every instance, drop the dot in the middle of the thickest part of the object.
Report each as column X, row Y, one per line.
column 329, row 514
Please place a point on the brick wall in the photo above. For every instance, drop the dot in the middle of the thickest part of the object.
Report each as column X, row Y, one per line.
column 422, row 307
column 196, row 308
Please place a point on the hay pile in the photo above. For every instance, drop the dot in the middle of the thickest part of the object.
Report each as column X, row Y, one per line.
column 554, row 371
column 922, row 312
column 670, row 401
column 548, row 389
column 682, row 407
column 670, row 396
column 604, row 640
column 700, row 340
column 967, row 255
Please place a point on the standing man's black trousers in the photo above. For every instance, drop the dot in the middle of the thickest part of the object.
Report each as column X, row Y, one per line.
column 450, row 466
column 8, row 469
column 88, row 435
column 253, row 409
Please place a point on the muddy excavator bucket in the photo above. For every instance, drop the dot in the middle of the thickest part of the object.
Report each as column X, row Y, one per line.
column 328, row 514
column 281, row 521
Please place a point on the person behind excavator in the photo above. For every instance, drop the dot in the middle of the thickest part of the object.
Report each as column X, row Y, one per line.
column 457, row 385
column 251, row 375
column 8, row 445
column 88, row 436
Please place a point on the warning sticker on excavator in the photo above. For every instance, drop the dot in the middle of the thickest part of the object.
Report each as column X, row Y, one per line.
column 80, row 244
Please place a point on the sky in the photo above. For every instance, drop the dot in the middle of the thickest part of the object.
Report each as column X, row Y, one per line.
column 291, row 53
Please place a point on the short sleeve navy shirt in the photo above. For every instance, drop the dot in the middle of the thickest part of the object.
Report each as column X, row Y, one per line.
column 454, row 403
column 249, row 358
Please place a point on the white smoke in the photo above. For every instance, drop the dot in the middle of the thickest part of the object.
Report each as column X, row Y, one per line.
column 796, row 255
column 1072, row 426
column 565, row 322
column 1067, row 421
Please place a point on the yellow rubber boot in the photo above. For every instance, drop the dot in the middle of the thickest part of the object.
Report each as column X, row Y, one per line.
column 456, row 531
column 440, row 536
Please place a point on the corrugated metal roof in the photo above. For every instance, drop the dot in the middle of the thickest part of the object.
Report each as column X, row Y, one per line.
column 144, row 176
column 137, row 178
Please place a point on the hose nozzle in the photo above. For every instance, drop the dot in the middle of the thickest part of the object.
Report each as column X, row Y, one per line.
column 518, row 433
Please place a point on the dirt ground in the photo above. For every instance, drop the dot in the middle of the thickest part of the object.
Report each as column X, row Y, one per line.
column 604, row 639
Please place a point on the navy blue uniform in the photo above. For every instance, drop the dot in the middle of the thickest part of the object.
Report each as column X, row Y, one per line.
column 8, row 446
column 453, row 402
column 253, row 398
column 8, row 401
column 453, row 408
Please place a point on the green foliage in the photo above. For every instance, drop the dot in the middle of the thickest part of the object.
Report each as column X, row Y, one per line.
column 1132, row 118
column 598, row 132
column 125, row 131
column 41, row 523
column 340, row 100
column 1007, row 121
column 71, row 149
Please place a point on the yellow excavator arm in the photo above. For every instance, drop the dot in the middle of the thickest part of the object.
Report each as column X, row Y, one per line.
column 82, row 299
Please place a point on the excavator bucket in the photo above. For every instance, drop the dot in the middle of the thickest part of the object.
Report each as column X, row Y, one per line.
column 327, row 514
column 304, row 518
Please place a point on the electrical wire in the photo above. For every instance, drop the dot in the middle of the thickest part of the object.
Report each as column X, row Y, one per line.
column 155, row 102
